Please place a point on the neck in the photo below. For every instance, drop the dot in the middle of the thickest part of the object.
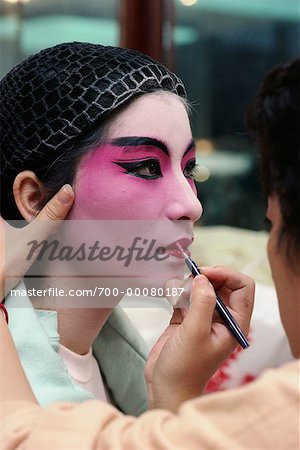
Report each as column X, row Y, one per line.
column 79, row 327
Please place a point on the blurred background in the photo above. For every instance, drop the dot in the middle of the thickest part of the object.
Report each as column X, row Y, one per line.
column 220, row 48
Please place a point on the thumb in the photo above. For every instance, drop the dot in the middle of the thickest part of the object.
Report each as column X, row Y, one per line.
column 53, row 212
column 198, row 319
column 14, row 247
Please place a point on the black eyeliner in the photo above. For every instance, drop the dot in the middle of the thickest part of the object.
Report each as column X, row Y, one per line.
column 130, row 166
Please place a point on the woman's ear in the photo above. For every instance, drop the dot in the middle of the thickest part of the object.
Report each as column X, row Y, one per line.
column 28, row 193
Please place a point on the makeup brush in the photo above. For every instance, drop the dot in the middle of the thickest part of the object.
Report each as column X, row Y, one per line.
column 221, row 308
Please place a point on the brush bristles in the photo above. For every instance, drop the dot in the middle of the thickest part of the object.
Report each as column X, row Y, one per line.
column 182, row 251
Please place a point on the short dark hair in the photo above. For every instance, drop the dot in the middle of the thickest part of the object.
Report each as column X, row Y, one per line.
column 274, row 120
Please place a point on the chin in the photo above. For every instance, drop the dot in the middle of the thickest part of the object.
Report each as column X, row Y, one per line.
column 150, row 283
column 158, row 281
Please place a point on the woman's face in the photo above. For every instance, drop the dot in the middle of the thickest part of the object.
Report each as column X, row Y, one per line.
column 144, row 171
column 139, row 185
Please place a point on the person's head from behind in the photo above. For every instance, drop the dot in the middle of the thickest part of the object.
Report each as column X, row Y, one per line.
column 274, row 117
column 111, row 122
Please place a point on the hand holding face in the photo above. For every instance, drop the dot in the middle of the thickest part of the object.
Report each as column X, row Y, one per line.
column 14, row 257
column 196, row 342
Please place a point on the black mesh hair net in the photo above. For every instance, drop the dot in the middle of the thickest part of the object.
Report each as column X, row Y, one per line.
column 53, row 97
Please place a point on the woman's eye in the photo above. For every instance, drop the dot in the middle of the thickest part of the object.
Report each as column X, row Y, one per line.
column 148, row 169
column 190, row 169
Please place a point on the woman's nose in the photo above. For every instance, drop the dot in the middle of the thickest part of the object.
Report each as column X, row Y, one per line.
column 183, row 203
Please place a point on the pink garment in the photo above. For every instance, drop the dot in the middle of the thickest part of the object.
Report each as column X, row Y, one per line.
column 262, row 415
column 85, row 372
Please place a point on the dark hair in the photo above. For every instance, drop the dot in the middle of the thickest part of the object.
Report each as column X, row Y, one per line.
column 55, row 106
column 274, row 120
column 52, row 173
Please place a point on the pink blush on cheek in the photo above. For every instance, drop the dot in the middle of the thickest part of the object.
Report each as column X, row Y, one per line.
column 104, row 192
column 93, row 189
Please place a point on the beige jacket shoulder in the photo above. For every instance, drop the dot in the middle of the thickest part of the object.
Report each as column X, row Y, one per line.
column 263, row 415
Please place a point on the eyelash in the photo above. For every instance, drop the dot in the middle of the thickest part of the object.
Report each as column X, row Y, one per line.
column 193, row 167
column 132, row 167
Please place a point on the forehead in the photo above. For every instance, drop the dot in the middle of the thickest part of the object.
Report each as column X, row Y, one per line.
column 158, row 115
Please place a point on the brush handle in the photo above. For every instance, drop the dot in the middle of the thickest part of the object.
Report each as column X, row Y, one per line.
column 222, row 310
column 232, row 324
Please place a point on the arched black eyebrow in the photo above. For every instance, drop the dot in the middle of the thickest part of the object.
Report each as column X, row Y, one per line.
column 135, row 141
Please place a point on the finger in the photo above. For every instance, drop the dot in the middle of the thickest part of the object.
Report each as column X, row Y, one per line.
column 16, row 249
column 226, row 278
column 241, row 298
column 177, row 316
column 178, row 292
column 173, row 288
column 198, row 320
column 231, row 278
column 58, row 207
column 50, row 216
